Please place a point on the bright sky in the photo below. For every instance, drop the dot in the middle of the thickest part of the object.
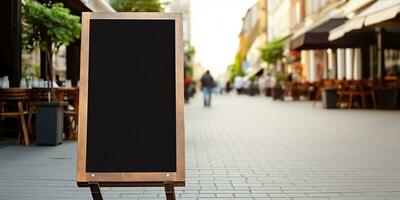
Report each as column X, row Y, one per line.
column 216, row 25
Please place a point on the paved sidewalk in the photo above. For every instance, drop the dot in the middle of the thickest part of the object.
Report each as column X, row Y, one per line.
column 244, row 148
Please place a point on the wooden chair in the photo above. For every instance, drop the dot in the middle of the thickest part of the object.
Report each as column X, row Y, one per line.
column 359, row 89
column 288, row 89
column 302, row 89
column 356, row 90
column 315, row 87
column 343, row 93
column 18, row 98
column 296, row 91
column 369, row 90
column 71, row 95
column 391, row 81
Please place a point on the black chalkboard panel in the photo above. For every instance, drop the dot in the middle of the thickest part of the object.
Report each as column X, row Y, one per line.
column 131, row 117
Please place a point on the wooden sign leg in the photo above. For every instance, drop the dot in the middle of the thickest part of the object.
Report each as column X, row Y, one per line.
column 95, row 189
column 169, row 190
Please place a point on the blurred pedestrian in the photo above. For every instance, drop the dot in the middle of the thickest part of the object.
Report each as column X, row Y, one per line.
column 289, row 77
column 221, row 87
column 262, row 84
column 238, row 84
column 207, row 84
column 228, row 87
column 187, row 81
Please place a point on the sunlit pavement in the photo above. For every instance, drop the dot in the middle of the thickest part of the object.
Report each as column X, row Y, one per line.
column 244, row 148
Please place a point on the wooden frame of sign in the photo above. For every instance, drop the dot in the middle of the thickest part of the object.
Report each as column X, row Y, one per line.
column 86, row 178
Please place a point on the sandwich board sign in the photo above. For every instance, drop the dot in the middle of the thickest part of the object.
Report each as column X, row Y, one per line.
column 131, row 123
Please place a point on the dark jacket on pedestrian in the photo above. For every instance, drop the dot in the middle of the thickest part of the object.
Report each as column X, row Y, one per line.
column 207, row 80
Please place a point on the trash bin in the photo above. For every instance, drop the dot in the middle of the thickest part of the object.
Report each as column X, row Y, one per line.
column 268, row 92
column 277, row 93
column 252, row 90
column 387, row 98
column 329, row 98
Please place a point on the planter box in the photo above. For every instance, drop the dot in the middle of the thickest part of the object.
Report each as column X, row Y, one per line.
column 252, row 90
column 386, row 98
column 49, row 122
column 277, row 93
column 329, row 98
column 268, row 92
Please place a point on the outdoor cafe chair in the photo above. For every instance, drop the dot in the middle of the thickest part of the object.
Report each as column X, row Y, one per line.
column 343, row 93
column 71, row 95
column 356, row 90
column 368, row 90
column 13, row 104
column 362, row 89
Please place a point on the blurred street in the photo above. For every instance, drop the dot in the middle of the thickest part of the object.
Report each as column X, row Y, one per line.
column 243, row 148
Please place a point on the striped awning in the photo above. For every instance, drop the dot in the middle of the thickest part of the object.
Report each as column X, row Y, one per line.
column 378, row 12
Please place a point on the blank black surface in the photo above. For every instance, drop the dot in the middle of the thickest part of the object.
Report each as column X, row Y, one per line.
column 131, row 123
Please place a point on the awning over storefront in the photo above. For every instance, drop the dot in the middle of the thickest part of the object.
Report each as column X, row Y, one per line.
column 381, row 11
column 255, row 68
column 316, row 36
column 101, row 6
column 253, row 71
column 351, row 6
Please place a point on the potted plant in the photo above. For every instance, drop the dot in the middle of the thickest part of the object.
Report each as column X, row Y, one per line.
column 48, row 27
column 329, row 98
column 272, row 53
column 277, row 90
column 253, row 86
column 387, row 97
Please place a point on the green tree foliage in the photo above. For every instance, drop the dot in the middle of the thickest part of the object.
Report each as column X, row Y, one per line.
column 235, row 69
column 189, row 52
column 273, row 52
column 137, row 5
column 280, row 77
column 189, row 72
column 48, row 27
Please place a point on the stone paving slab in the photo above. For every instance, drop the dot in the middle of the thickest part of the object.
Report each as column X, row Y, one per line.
column 243, row 148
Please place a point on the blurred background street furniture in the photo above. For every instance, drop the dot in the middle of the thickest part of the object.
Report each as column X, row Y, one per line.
column 21, row 104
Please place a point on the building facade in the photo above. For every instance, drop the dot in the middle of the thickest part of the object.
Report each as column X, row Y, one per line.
column 326, row 62
column 278, row 19
column 182, row 6
column 253, row 36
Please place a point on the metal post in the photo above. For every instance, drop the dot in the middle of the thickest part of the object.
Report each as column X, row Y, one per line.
column 381, row 54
